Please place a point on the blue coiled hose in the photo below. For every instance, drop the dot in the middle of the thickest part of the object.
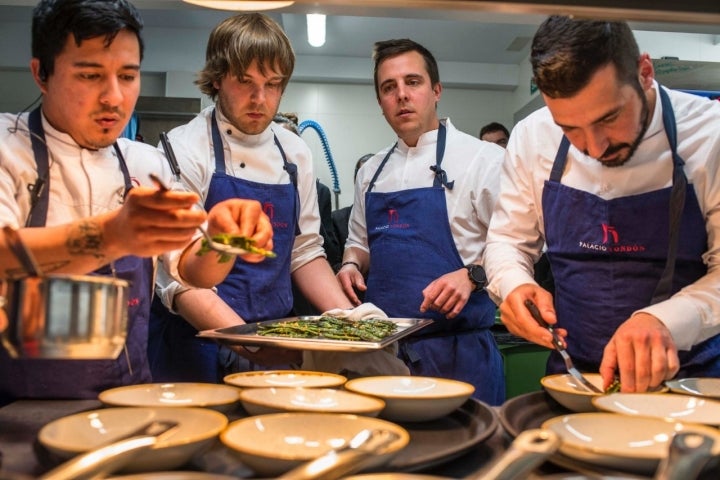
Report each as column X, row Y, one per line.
column 328, row 155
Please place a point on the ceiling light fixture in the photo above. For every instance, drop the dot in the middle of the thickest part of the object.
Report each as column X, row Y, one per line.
column 316, row 29
column 243, row 5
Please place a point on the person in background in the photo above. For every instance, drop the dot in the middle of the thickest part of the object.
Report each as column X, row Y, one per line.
column 233, row 149
column 81, row 196
column 418, row 225
column 618, row 175
column 341, row 216
column 496, row 133
column 332, row 248
column 300, row 304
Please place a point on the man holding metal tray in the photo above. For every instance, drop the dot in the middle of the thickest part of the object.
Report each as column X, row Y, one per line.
column 234, row 150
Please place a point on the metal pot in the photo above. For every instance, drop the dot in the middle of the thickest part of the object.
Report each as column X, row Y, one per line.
column 65, row 316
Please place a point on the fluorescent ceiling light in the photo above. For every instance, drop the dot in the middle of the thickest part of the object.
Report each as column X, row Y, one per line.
column 245, row 5
column 316, row 29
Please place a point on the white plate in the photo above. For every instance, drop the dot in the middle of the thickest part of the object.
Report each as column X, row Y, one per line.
column 284, row 378
column 259, row 401
column 210, row 395
column 414, row 398
column 634, row 444
column 663, row 405
column 273, row 444
column 197, row 429
column 705, row 387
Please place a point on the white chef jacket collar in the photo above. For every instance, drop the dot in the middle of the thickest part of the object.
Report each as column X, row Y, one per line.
column 237, row 136
column 656, row 122
column 427, row 138
column 64, row 138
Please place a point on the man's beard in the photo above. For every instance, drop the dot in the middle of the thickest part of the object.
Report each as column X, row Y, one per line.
column 631, row 147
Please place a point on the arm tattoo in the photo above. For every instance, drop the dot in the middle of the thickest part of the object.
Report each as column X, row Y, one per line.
column 86, row 239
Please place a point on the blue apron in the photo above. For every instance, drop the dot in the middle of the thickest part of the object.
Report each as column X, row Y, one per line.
column 50, row 378
column 410, row 246
column 613, row 257
column 256, row 291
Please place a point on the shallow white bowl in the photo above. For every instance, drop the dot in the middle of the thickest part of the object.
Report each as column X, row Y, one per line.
column 273, row 444
column 414, row 398
column 665, row 405
column 635, row 444
column 704, row 387
column 197, row 429
column 210, row 395
column 259, row 401
column 285, row 378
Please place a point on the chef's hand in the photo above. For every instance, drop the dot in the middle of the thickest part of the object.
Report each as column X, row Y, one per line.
column 644, row 353
column 448, row 294
column 364, row 311
column 150, row 223
column 243, row 217
column 350, row 279
column 516, row 317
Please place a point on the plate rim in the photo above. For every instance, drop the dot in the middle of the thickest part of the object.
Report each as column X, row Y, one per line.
column 103, row 396
column 374, row 404
column 310, row 373
column 467, row 388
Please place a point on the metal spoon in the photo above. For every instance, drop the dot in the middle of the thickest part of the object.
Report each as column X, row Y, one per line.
column 216, row 246
column 100, row 462
column 22, row 253
column 356, row 455
column 527, row 451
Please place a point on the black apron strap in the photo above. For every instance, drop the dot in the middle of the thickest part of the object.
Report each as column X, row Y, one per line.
column 40, row 190
column 677, row 201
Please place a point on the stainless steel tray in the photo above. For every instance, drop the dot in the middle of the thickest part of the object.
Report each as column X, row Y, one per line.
column 247, row 335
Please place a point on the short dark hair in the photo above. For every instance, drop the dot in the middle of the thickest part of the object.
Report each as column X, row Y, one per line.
column 493, row 127
column 566, row 53
column 392, row 48
column 239, row 40
column 54, row 20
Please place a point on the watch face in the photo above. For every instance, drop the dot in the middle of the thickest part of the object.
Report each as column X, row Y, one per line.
column 477, row 275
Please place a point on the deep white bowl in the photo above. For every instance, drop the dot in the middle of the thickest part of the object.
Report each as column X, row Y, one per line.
column 414, row 398
column 197, row 429
column 285, row 378
column 273, row 444
column 259, row 401
column 569, row 393
column 218, row 397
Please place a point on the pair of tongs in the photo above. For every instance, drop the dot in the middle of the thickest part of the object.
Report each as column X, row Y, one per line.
column 560, row 347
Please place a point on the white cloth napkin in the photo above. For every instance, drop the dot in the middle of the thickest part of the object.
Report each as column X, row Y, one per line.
column 356, row 364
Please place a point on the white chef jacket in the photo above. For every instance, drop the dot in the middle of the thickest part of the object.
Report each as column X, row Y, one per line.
column 251, row 157
column 516, row 235
column 474, row 166
column 83, row 182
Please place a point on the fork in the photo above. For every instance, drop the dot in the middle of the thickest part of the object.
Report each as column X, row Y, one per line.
column 560, row 347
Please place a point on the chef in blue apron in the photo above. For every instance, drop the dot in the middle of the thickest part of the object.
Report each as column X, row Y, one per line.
column 68, row 186
column 418, row 227
column 233, row 149
column 617, row 177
